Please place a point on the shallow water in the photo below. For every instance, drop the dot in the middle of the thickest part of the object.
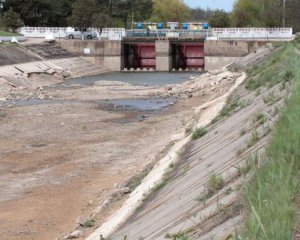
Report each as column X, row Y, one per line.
column 137, row 78
column 149, row 104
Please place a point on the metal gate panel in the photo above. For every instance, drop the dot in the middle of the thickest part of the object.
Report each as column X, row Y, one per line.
column 144, row 55
column 191, row 55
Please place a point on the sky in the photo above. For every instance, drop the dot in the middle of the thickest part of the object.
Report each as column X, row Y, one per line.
column 221, row 4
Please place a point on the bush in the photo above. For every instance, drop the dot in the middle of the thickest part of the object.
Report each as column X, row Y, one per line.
column 11, row 20
column 199, row 132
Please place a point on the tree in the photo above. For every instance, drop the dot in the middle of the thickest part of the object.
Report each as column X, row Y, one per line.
column 265, row 13
column 82, row 13
column 11, row 20
column 132, row 10
column 41, row 12
column 219, row 19
column 200, row 14
column 101, row 20
column 170, row 10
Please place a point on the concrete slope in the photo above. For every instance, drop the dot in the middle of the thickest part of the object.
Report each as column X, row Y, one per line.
column 49, row 51
column 183, row 204
column 14, row 54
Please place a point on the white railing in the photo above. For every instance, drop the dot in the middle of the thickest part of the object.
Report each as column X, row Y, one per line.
column 42, row 32
column 252, row 33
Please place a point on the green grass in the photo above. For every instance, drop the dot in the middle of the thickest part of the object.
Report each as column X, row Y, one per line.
column 271, row 72
column 269, row 197
column 8, row 34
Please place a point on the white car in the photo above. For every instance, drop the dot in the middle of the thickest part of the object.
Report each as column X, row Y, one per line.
column 75, row 33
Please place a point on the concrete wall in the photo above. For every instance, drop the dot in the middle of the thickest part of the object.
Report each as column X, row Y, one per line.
column 113, row 59
column 107, row 53
column 163, row 58
column 231, row 48
column 96, row 48
column 213, row 63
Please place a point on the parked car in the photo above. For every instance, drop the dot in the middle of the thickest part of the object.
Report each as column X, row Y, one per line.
column 76, row 33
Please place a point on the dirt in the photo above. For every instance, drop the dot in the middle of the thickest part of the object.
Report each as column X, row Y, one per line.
column 61, row 159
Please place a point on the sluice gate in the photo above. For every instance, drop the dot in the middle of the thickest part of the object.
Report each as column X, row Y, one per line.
column 163, row 55
column 139, row 56
column 188, row 55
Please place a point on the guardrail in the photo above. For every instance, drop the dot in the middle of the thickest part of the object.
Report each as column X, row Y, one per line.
column 42, row 32
column 166, row 33
column 252, row 33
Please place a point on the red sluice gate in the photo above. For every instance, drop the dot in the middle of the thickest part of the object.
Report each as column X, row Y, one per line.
column 144, row 55
column 191, row 55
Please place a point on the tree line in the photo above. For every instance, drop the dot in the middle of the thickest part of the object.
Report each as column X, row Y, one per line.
column 123, row 13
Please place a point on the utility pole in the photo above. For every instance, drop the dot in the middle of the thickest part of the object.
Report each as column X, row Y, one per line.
column 283, row 13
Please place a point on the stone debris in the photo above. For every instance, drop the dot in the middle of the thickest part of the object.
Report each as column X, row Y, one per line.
column 73, row 235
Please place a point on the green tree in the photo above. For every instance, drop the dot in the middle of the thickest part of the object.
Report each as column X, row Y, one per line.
column 259, row 13
column 11, row 20
column 41, row 12
column 132, row 10
column 82, row 14
column 219, row 19
column 170, row 10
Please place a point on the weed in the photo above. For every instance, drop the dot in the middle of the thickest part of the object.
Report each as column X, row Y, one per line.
column 270, row 99
column 288, row 75
column 137, row 179
column 88, row 223
column 188, row 131
column 171, row 165
column 199, row 132
column 215, row 182
column 232, row 105
column 253, row 139
column 240, row 151
column 258, row 91
column 228, row 191
column 243, row 131
column 253, row 84
column 177, row 236
column 259, row 118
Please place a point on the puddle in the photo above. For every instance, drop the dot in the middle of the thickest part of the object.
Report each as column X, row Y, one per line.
column 135, row 78
column 149, row 104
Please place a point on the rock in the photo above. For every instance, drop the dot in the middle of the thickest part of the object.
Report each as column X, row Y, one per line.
column 2, row 99
column 50, row 71
column 190, row 95
column 66, row 74
column 75, row 234
column 41, row 96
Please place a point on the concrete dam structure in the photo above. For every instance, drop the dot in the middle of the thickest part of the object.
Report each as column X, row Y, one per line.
column 162, row 55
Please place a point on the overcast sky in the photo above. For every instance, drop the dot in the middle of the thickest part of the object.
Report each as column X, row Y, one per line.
column 221, row 4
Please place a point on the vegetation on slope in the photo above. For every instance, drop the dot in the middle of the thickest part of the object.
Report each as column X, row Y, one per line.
column 269, row 197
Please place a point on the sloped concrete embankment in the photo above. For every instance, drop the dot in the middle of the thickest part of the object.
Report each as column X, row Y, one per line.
column 12, row 54
column 191, row 200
